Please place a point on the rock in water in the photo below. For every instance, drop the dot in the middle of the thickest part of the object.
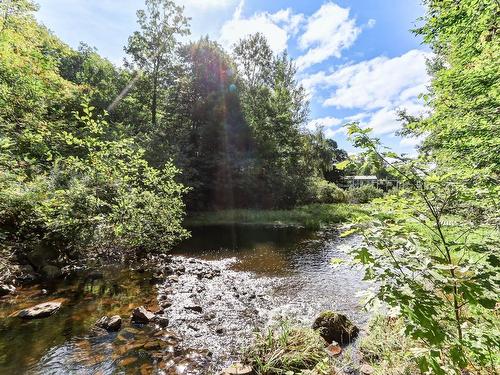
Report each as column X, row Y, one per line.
column 162, row 321
column 141, row 315
column 110, row 324
column 335, row 327
column 6, row 289
column 114, row 323
column 194, row 307
column 238, row 369
column 41, row 310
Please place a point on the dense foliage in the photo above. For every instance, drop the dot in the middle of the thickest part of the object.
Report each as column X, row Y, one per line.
column 435, row 258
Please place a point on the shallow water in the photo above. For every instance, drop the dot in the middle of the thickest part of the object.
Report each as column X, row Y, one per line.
column 61, row 343
column 274, row 273
column 297, row 259
column 266, row 273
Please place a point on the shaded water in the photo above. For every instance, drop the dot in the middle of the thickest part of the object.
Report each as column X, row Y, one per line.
column 263, row 250
column 264, row 273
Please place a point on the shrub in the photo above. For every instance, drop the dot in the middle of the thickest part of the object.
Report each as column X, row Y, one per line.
column 322, row 191
column 364, row 194
column 103, row 194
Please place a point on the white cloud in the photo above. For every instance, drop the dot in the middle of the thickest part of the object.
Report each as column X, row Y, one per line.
column 331, row 133
column 377, row 87
column 277, row 27
column 328, row 31
column 385, row 120
column 325, row 122
column 413, row 141
column 291, row 22
column 378, row 82
column 330, row 126
column 358, row 116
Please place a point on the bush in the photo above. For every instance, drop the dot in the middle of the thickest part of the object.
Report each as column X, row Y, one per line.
column 102, row 195
column 322, row 191
column 289, row 350
column 364, row 194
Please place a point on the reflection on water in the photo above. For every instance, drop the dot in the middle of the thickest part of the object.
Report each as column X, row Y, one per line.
column 276, row 271
column 86, row 297
column 264, row 250
column 298, row 257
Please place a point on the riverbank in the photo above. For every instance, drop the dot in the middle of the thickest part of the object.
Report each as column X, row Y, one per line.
column 313, row 216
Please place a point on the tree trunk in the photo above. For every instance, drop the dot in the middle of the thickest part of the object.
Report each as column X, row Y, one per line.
column 154, row 100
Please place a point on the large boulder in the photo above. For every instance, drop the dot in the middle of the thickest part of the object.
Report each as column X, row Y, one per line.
column 141, row 315
column 41, row 310
column 335, row 327
column 110, row 323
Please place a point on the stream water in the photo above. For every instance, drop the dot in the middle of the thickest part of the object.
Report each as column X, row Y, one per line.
column 228, row 281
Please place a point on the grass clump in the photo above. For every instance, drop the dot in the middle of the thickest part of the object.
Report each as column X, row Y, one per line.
column 288, row 350
column 313, row 216
column 387, row 349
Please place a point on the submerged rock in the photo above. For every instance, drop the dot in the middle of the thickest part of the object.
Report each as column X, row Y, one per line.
column 141, row 315
column 110, row 323
column 189, row 362
column 335, row 327
column 161, row 320
column 6, row 289
column 51, row 272
column 41, row 310
column 194, row 307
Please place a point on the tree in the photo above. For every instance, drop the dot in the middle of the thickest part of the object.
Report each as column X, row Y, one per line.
column 275, row 107
column 72, row 184
column 152, row 49
column 254, row 57
column 436, row 258
column 13, row 13
column 324, row 155
column 203, row 128
column 461, row 134
column 436, row 267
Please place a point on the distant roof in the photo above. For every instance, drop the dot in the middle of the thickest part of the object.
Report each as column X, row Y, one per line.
column 361, row 177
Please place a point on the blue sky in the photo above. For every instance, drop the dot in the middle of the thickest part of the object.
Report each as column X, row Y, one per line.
column 357, row 58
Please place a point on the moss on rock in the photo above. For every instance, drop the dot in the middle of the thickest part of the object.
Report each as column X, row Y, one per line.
column 335, row 327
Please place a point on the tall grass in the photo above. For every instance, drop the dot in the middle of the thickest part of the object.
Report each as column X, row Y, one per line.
column 288, row 349
column 313, row 216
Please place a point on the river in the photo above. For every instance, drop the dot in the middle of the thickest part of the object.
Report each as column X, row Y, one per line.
column 228, row 281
